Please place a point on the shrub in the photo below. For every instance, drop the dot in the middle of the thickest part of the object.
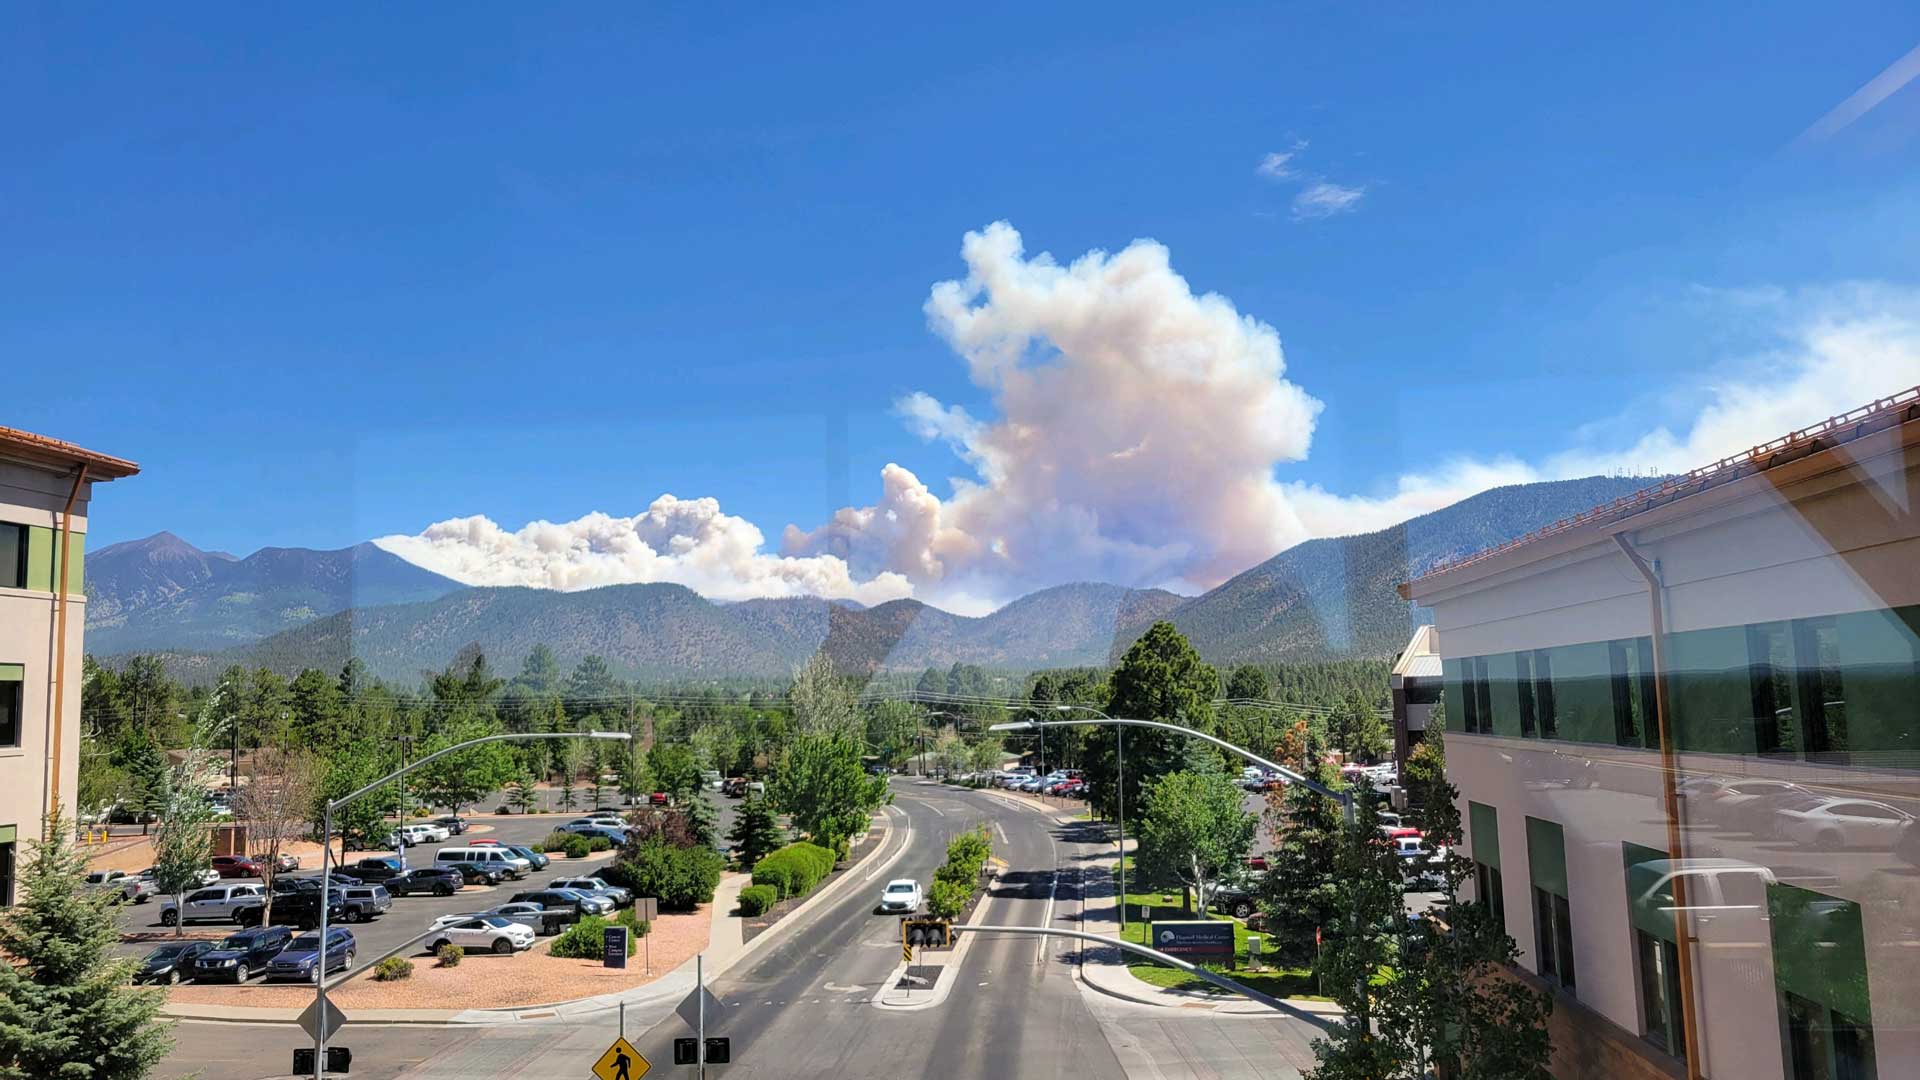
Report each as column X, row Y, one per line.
column 756, row 899
column 556, row 841
column 502, row 810
column 599, row 843
column 449, row 954
column 393, row 969
column 632, row 921
column 577, row 847
column 794, row 869
column 947, row 899
column 583, row 940
column 682, row 878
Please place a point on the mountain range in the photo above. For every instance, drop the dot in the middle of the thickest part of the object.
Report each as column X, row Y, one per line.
column 288, row 608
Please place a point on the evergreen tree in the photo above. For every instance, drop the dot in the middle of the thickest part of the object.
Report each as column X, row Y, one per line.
column 67, row 1009
column 146, row 769
column 703, row 821
column 1298, row 892
column 1249, row 683
column 756, row 831
column 1161, row 678
column 1364, row 944
column 521, row 794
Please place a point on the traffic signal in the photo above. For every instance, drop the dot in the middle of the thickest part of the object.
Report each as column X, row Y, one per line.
column 926, row 933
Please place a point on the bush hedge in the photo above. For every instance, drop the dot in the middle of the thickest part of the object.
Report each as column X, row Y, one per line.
column 586, row 940
column 556, row 841
column 757, row 899
column 599, row 843
column 578, row 847
column 393, row 969
column 682, row 878
column 948, row 899
column 449, row 954
column 794, row 869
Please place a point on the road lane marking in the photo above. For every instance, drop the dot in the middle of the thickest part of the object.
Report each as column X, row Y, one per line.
column 1002, row 830
column 1046, row 921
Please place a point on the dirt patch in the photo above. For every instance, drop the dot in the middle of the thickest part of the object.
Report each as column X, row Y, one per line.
column 482, row 980
column 157, row 937
column 754, row 927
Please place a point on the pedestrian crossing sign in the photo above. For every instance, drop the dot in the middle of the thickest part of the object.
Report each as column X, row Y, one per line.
column 621, row 1062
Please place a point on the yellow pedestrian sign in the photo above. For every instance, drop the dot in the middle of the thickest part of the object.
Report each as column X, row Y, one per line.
column 621, row 1062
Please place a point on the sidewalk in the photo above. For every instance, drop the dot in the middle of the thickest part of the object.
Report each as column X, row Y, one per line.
column 1104, row 967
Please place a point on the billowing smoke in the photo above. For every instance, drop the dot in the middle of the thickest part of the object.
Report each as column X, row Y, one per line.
column 1137, row 431
column 1134, row 434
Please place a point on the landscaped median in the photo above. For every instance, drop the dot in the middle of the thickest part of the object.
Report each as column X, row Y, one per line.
column 1280, row 982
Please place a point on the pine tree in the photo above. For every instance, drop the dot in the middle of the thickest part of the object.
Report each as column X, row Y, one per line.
column 703, row 821
column 67, row 1008
column 1365, row 943
column 1298, row 893
column 756, row 831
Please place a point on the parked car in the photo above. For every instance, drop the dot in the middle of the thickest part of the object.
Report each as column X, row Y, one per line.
column 493, row 932
column 281, row 863
column 598, row 822
column 537, row 860
column 206, row 877
column 215, row 903
column 235, row 866
column 901, row 895
column 241, row 954
column 475, row 873
column 363, row 903
column 170, row 963
column 616, row 837
column 734, row 787
column 300, row 909
column 453, row 823
column 1748, row 805
column 1839, row 822
column 495, row 857
column 569, row 900
column 437, row 880
column 597, row 886
column 301, row 958
column 1238, row 898
column 532, row 916
column 369, row 870
column 658, row 798
column 131, row 887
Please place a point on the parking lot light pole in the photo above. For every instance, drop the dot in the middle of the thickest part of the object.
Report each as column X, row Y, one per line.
column 326, row 851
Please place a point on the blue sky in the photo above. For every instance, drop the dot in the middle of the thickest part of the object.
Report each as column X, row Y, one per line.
column 330, row 277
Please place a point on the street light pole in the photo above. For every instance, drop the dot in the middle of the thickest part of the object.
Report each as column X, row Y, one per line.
column 326, row 853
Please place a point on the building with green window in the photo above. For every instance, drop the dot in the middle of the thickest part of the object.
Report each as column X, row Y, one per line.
column 1685, row 728
column 45, row 487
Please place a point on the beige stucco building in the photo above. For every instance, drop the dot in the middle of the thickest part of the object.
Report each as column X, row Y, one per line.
column 1754, row 910
column 45, row 486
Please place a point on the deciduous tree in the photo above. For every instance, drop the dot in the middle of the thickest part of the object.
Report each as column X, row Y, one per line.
column 1193, row 830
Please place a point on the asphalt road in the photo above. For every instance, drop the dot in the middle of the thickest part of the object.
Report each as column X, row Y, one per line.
column 410, row 915
column 802, row 1006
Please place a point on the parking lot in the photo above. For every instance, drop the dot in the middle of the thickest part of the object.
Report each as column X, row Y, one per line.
column 141, row 928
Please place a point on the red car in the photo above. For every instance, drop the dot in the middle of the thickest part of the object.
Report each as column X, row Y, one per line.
column 658, row 798
column 483, row 843
column 235, row 866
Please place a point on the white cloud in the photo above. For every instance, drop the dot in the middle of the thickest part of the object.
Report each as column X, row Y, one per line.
column 1324, row 199
column 1278, row 165
column 685, row 541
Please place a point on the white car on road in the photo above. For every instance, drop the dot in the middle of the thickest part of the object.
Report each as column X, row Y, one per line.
column 901, row 895
column 493, row 932
column 1834, row 823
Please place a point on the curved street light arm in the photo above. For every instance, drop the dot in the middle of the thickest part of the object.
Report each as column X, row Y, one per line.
column 1344, row 798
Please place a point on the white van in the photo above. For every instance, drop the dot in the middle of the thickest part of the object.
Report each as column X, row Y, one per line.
column 488, row 856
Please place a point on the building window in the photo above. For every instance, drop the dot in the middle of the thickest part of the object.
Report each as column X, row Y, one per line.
column 1553, row 937
column 1825, row 1044
column 1660, row 1013
column 6, row 873
column 1483, row 695
column 1487, row 886
column 1523, row 682
column 1634, row 717
column 1822, row 699
column 1770, row 678
column 1543, row 692
column 12, row 683
column 13, row 556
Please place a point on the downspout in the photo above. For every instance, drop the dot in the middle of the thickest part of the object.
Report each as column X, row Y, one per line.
column 63, row 550
column 1656, row 595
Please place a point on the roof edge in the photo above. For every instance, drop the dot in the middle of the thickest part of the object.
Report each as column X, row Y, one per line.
column 46, row 448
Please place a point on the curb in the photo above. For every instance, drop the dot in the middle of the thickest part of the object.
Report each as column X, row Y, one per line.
column 678, row 980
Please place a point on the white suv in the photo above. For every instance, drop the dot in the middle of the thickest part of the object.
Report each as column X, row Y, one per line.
column 221, row 903
column 502, row 935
